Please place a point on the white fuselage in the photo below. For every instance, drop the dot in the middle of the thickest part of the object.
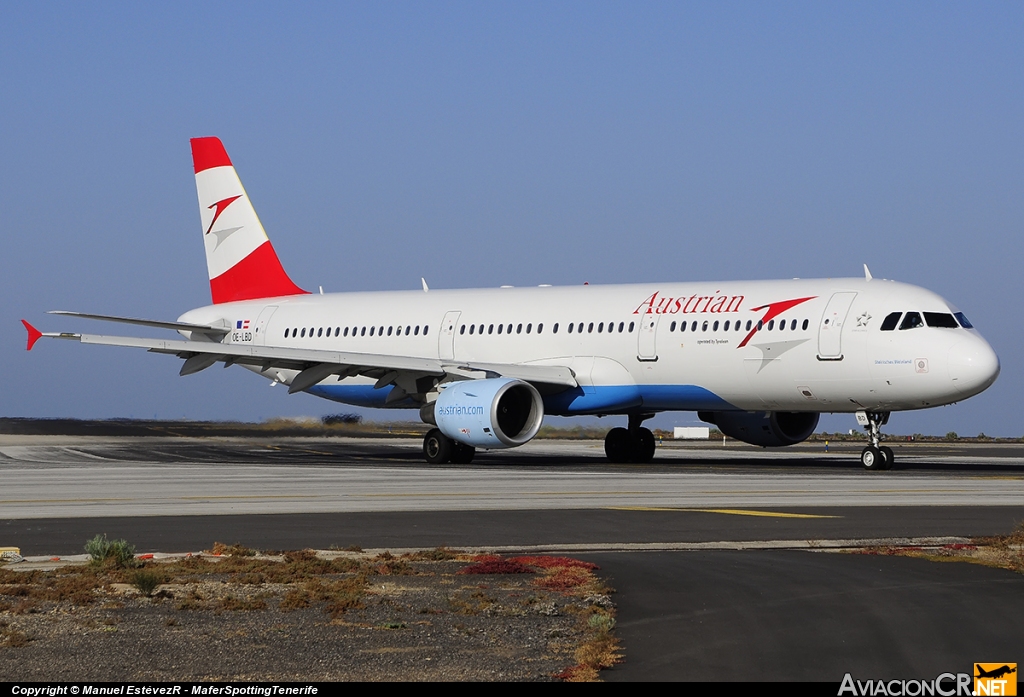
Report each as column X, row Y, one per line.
column 820, row 346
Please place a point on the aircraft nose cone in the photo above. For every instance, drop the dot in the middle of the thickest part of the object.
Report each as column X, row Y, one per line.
column 973, row 366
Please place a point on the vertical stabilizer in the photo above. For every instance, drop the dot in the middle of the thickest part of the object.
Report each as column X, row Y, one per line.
column 239, row 257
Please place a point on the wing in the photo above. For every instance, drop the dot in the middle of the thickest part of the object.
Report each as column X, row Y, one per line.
column 307, row 367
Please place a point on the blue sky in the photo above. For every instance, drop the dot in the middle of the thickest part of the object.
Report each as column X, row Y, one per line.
column 481, row 144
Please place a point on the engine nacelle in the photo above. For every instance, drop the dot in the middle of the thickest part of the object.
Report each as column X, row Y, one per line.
column 768, row 428
column 491, row 413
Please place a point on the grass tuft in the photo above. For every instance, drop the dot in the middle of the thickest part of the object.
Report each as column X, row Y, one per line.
column 116, row 553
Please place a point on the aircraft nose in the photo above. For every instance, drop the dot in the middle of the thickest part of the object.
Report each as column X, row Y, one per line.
column 973, row 366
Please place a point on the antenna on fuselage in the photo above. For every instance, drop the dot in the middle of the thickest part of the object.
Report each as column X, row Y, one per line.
column 867, row 273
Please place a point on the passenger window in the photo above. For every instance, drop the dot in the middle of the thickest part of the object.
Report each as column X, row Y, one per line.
column 890, row 321
column 540, row 327
column 725, row 327
column 408, row 329
column 672, row 327
column 804, row 325
column 962, row 319
column 940, row 319
column 704, row 327
column 600, row 328
column 714, row 327
column 425, row 327
column 519, row 328
column 630, row 327
column 682, row 326
column 529, row 328
column 481, row 330
column 303, row 334
column 490, row 328
column 554, row 329
column 362, row 332
column 390, row 329
column 462, row 329
column 285, row 333
column 782, row 325
column 590, row 328
column 771, row 325
column 371, row 330
column 579, row 328
column 571, row 325
column 621, row 326
column 792, row 326
column 500, row 327
column 509, row 329
column 416, row 330
column 760, row 325
column 472, row 327
column 748, row 325
column 912, row 320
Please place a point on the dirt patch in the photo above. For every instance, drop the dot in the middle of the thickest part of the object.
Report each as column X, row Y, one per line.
column 309, row 615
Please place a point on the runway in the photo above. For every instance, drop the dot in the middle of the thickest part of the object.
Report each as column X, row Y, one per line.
column 161, row 477
column 707, row 546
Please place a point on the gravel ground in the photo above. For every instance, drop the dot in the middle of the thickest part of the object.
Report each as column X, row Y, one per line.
column 427, row 622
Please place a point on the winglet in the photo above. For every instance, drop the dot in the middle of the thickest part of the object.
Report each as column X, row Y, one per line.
column 867, row 273
column 33, row 335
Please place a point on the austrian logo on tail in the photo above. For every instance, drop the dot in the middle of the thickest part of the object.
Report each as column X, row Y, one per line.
column 220, row 206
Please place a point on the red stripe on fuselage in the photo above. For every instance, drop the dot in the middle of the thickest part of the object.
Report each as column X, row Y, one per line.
column 208, row 152
column 259, row 275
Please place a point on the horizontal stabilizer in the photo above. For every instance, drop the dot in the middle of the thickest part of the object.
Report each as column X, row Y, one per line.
column 174, row 326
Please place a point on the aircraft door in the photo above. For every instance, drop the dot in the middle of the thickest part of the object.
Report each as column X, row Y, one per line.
column 646, row 348
column 830, row 331
column 260, row 335
column 446, row 337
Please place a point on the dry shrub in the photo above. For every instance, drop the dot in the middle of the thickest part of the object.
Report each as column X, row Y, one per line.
column 436, row 554
column 232, row 603
column 14, row 638
column 565, row 579
column 235, row 550
column 546, row 562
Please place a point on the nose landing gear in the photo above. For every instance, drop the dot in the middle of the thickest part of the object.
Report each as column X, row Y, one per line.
column 875, row 456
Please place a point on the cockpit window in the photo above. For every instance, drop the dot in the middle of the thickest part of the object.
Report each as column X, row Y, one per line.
column 890, row 321
column 962, row 319
column 940, row 319
column 912, row 321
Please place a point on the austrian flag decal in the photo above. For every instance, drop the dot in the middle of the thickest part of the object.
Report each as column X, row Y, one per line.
column 242, row 324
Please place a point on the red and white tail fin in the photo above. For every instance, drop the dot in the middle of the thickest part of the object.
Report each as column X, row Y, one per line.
column 242, row 263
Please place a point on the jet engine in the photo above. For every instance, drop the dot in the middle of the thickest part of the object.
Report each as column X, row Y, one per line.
column 491, row 413
column 768, row 428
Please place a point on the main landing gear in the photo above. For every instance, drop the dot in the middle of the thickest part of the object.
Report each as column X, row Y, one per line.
column 633, row 444
column 439, row 449
column 875, row 456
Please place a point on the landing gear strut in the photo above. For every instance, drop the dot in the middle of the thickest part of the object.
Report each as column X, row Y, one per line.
column 439, row 449
column 633, row 444
column 875, row 456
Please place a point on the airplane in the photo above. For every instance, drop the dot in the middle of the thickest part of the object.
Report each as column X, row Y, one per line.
column 760, row 360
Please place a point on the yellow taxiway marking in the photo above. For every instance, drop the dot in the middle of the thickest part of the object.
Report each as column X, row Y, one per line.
column 727, row 511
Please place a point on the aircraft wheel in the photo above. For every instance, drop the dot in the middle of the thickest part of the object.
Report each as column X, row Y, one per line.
column 618, row 446
column 437, row 447
column 643, row 446
column 462, row 454
column 890, row 457
column 872, row 458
